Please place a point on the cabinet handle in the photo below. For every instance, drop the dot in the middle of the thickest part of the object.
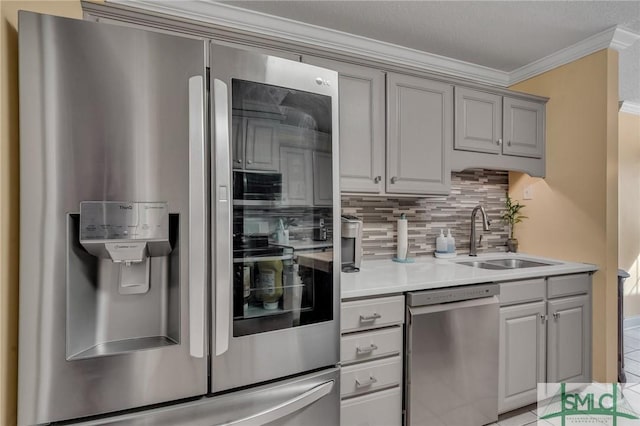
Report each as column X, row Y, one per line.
column 499, row 142
column 508, row 143
column 367, row 383
column 394, row 179
column 249, row 161
column 369, row 318
column 239, row 160
column 367, row 350
column 556, row 315
column 377, row 179
column 543, row 318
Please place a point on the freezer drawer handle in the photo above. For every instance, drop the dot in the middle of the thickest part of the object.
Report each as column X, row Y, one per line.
column 288, row 407
column 366, row 350
column 370, row 318
column 372, row 380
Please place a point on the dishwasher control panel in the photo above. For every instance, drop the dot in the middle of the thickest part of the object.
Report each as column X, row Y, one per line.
column 455, row 294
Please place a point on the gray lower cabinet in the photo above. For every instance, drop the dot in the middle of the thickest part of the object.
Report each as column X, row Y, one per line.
column 419, row 135
column 545, row 336
column 522, row 354
column 569, row 334
column 371, row 354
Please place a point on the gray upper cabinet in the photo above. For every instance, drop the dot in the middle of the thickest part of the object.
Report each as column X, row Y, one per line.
column 362, row 127
column 297, row 177
column 523, row 128
column 322, row 183
column 496, row 131
column 478, row 121
column 419, row 135
column 262, row 145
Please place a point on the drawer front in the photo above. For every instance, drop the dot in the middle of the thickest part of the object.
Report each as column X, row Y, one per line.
column 522, row 291
column 382, row 408
column 567, row 285
column 370, row 376
column 372, row 313
column 371, row 344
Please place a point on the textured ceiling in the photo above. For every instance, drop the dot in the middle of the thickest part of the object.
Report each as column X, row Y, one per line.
column 501, row 35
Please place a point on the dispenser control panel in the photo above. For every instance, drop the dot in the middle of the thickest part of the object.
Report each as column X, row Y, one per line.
column 113, row 220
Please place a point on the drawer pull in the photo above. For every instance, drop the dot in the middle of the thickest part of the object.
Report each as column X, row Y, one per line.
column 366, row 350
column 366, row 384
column 370, row 318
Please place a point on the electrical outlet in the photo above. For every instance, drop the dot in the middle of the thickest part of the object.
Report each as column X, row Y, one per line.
column 528, row 193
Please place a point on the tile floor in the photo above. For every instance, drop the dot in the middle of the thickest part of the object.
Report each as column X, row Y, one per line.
column 527, row 415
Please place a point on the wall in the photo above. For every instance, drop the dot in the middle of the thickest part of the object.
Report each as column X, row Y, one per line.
column 629, row 205
column 427, row 216
column 574, row 213
column 9, row 190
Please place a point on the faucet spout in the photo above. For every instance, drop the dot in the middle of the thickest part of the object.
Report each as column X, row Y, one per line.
column 473, row 247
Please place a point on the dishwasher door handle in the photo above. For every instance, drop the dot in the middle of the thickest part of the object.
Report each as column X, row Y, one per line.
column 421, row 310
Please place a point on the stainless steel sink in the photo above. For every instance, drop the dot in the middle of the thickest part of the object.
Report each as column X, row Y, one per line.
column 498, row 264
column 517, row 263
column 483, row 265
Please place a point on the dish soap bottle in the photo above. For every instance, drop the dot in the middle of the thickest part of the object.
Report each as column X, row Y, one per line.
column 441, row 243
column 451, row 242
column 271, row 283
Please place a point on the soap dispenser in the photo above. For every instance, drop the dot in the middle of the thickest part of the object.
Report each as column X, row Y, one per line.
column 451, row 242
column 441, row 243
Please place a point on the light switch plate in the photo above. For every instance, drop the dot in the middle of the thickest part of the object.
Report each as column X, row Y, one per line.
column 528, row 193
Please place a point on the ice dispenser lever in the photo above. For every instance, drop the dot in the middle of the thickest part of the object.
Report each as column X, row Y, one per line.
column 128, row 234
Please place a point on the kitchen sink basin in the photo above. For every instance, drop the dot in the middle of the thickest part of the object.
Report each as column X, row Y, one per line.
column 483, row 265
column 504, row 264
column 517, row 263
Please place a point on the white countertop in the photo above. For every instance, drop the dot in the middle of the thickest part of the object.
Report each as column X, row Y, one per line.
column 380, row 277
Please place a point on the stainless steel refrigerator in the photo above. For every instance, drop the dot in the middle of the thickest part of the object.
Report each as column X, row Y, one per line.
column 179, row 203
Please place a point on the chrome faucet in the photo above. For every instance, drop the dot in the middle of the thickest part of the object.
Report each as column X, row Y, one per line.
column 473, row 248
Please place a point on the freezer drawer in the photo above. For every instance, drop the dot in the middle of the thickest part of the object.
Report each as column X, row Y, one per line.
column 311, row 400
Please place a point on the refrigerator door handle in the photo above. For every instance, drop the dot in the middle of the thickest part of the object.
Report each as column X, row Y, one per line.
column 197, row 219
column 288, row 407
column 222, row 188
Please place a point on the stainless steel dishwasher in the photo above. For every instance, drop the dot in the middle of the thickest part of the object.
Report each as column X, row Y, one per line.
column 451, row 373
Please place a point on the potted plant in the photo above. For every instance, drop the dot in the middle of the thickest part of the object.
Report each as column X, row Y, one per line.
column 511, row 216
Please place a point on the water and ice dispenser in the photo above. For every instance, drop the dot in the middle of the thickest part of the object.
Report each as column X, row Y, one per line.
column 123, row 278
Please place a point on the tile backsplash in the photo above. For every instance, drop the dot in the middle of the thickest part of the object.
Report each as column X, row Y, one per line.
column 427, row 216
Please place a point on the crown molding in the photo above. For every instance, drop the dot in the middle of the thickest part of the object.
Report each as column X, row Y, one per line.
column 616, row 38
column 630, row 107
column 273, row 26
column 227, row 16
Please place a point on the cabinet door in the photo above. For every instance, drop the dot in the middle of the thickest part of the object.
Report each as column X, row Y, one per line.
column 569, row 327
column 362, row 137
column 523, row 128
column 522, row 354
column 419, row 135
column 322, row 182
column 297, row 178
column 478, row 121
column 261, row 145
